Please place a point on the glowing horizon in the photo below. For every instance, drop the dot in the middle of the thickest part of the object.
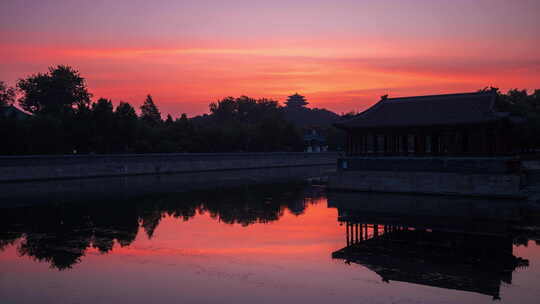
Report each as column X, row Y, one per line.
column 340, row 56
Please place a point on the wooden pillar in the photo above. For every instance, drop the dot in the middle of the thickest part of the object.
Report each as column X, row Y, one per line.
column 410, row 144
column 420, row 143
column 360, row 144
column 353, row 233
column 355, row 145
column 347, row 233
column 366, row 233
column 350, row 143
column 347, row 138
column 370, row 146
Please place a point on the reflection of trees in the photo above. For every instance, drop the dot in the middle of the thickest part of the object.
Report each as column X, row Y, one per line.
column 61, row 234
column 7, row 239
column 249, row 206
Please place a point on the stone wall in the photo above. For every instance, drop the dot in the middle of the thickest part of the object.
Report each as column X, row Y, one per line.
column 104, row 189
column 483, row 165
column 30, row 168
column 446, row 183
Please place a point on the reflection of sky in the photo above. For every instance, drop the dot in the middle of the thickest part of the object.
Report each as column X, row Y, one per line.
column 340, row 54
column 203, row 260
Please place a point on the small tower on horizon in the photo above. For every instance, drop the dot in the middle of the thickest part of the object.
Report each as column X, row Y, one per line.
column 296, row 101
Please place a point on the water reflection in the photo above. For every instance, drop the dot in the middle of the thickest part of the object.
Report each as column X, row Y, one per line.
column 279, row 240
column 453, row 243
column 60, row 234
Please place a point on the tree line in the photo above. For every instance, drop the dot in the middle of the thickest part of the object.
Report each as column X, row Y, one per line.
column 65, row 120
column 525, row 107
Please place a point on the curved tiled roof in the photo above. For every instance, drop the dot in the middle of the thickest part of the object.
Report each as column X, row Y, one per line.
column 448, row 109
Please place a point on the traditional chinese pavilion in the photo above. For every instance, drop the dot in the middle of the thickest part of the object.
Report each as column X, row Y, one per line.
column 454, row 144
column 296, row 101
column 451, row 124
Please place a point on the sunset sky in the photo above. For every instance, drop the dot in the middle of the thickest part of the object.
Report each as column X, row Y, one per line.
column 342, row 54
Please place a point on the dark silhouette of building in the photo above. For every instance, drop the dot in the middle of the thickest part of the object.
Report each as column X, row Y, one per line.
column 451, row 124
column 314, row 123
column 314, row 141
column 415, row 240
column 461, row 261
column 438, row 144
column 296, row 101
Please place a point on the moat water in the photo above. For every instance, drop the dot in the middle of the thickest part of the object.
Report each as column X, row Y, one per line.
column 278, row 243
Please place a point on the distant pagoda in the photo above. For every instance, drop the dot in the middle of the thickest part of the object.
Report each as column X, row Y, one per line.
column 296, row 101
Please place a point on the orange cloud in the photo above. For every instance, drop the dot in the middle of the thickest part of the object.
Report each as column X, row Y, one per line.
column 343, row 75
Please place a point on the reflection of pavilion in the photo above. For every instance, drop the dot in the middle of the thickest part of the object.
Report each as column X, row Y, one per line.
column 442, row 253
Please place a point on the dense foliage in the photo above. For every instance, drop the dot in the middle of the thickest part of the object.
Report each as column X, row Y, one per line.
column 7, row 95
column 525, row 106
column 64, row 120
column 60, row 91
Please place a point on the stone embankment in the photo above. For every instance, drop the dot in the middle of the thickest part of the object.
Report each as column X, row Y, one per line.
column 469, row 176
column 54, row 167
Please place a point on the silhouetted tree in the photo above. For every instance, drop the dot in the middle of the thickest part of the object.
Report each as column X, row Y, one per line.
column 80, row 128
column 169, row 121
column 67, row 122
column 125, row 111
column 524, row 105
column 7, row 95
column 180, row 135
column 104, row 121
column 59, row 91
column 125, row 131
column 247, row 124
column 103, row 108
column 149, row 112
